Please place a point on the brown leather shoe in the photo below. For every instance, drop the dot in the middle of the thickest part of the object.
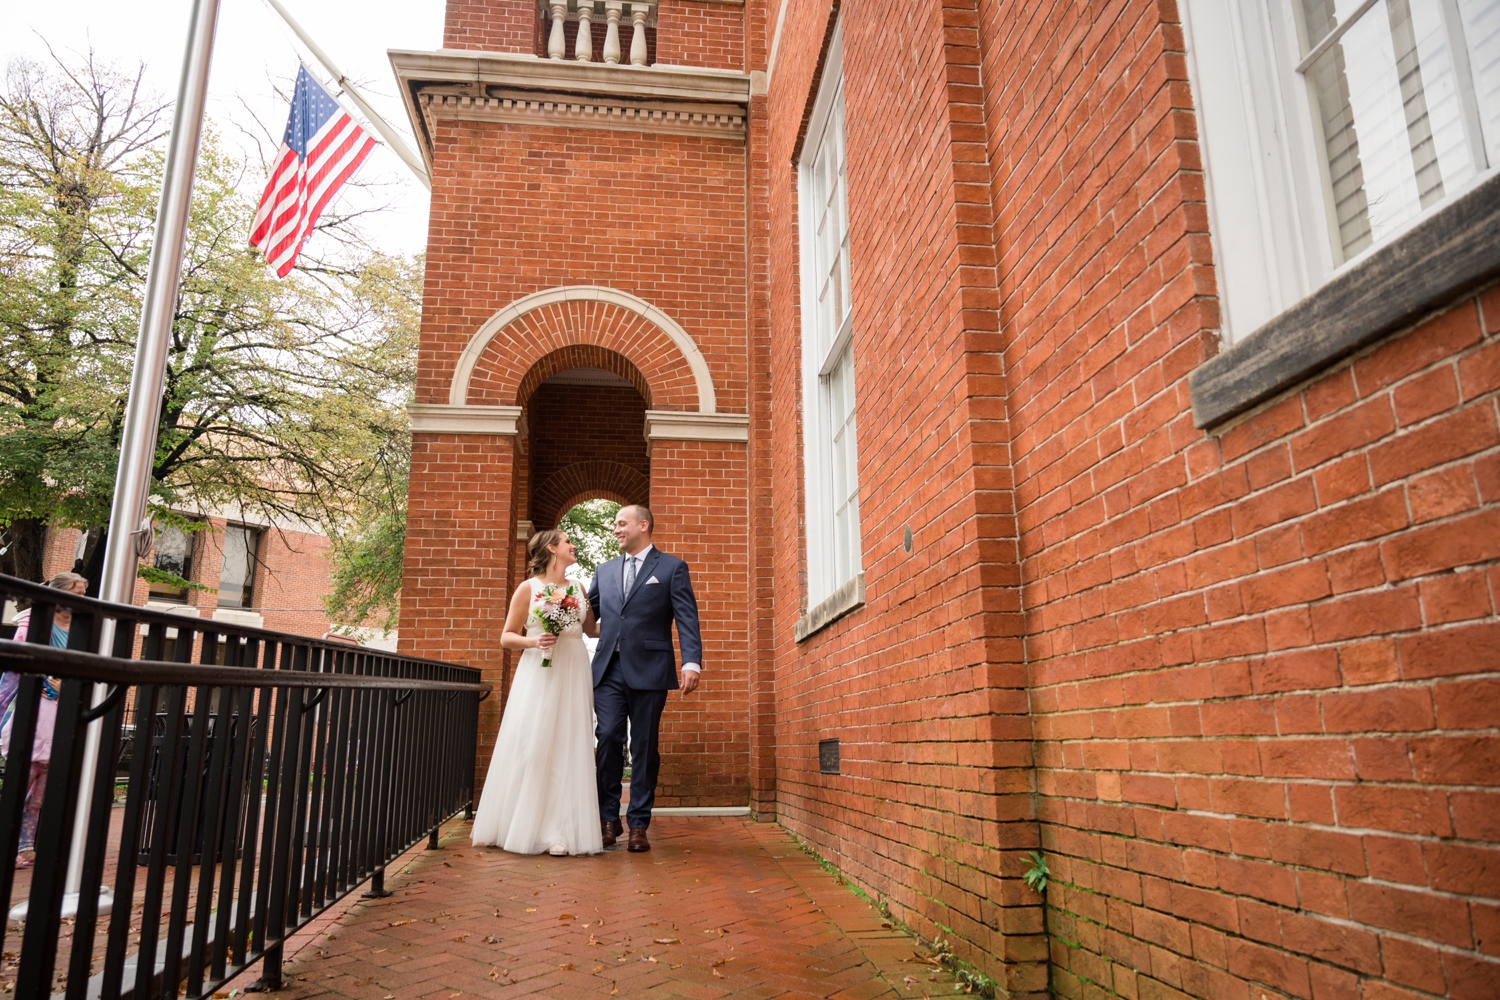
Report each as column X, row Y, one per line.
column 638, row 841
column 612, row 831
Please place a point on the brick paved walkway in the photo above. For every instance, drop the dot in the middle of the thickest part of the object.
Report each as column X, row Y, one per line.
column 720, row 908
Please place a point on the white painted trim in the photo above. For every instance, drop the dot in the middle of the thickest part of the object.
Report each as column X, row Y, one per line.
column 775, row 44
column 668, row 425
column 458, row 393
column 437, row 418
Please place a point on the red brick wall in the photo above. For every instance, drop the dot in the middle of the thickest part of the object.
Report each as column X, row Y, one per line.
column 924, row 686
column 582, row 437
column 491, row 25
column 1248, row 650
column 699, row 33
column 699, row 497
column 455, row 584
column 518, row 210
column 661, row 217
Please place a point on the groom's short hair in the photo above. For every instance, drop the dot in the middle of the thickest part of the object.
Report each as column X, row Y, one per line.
column 641, row 513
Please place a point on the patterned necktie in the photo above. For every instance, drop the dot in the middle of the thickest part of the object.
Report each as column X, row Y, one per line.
column 629, row 574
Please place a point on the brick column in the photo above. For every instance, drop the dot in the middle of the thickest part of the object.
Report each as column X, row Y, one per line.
column 699, row 494
column 456, row 576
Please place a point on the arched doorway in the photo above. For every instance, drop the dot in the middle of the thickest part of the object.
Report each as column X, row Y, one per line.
column 568, row 394
column 586, row 437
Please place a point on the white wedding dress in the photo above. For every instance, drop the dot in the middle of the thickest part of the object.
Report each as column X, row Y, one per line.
column 540, row 792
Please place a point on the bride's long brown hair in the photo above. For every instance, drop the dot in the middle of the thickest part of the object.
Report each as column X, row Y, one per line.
column 537, row 550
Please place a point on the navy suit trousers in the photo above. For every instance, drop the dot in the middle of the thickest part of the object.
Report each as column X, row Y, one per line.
column 614, row 703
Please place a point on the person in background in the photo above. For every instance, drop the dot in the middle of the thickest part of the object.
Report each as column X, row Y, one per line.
column 46, row 719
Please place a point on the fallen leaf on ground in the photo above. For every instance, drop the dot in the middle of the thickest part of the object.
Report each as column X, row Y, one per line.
column 377, row 951
column 676, row 965
column 400, row 923
column 716, row 972
column 566, row 966
column 666, row 940
column 495, row 973
column 908, row 980
column 724, row 961
column 752, row 891
column 531, row 909
column 492, row 940
column 614, row 989
column 460, row 938
column 597, row 968
column 566, row 916
column 365, row 981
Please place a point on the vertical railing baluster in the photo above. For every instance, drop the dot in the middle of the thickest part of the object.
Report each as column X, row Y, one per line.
column 164, row 791
column 95, row 847
column 125, row 860
column 248, row 907
column 229, row 841
column 17, row 781
column 54, row 833
column 187, row 830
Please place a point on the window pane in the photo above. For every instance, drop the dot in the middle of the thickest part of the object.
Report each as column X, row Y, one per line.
column 1481, row 26
column 236, row 580
column 1386, row 94
column 173, row 554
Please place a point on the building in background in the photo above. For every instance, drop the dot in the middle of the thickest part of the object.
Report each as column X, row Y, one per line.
column 251, row 572
column 1081, row 419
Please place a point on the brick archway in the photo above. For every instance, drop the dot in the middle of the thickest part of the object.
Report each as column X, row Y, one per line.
column 493, row 369
column 586, row 481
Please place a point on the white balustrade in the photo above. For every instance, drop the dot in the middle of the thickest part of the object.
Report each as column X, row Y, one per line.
column 583, row 46
column 556, row 44
column 583, row 51
column 612, row 10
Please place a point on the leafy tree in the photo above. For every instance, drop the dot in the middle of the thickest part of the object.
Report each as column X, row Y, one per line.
column 591, row 526
column 283, row 398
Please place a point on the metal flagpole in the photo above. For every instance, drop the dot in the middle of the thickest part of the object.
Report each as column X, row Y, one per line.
column 389, row 134
column 127, row 526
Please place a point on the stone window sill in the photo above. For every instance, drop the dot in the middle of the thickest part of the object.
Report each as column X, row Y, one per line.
column 1433, row 263
column 849, row 597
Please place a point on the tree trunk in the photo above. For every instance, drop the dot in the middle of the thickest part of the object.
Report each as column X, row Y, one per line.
column 27, row 538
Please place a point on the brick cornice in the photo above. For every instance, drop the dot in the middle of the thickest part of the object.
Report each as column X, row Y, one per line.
column 515, row 87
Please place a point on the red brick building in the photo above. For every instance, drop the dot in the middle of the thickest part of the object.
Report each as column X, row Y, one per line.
column 1084, row 413
column 255, row 573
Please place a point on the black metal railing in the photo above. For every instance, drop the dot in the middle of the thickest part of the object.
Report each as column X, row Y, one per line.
column 269, row 775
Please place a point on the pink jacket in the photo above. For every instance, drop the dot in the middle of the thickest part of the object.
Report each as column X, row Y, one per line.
column 46, row 716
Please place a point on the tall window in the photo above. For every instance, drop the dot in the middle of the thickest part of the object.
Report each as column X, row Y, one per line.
column 237, row 578
column 831, row 450
column 173, row 554
column 1331, row 125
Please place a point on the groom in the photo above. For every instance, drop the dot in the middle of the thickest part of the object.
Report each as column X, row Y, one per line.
column 635, row 599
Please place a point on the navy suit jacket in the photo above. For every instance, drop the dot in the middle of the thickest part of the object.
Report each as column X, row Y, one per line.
column 641, row 623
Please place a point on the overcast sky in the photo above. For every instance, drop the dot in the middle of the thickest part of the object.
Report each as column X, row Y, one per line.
column 252, row 48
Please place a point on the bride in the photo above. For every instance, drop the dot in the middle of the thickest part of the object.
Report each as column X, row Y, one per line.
column 540, row 794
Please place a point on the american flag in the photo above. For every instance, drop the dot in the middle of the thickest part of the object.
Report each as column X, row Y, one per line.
column 321, row 148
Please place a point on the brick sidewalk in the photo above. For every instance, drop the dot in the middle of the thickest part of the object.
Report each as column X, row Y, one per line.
column 719, row 908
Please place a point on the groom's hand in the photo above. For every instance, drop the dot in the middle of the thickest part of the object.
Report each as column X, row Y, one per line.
column 689, row 681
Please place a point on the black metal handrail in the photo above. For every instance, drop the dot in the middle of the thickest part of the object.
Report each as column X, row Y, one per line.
column 282, row 772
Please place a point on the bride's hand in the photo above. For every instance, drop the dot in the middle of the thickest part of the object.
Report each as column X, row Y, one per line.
column 546, row 641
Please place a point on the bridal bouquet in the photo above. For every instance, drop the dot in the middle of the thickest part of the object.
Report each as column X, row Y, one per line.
column 560, row 609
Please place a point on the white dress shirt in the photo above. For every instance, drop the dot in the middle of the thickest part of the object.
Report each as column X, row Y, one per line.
column 639, row 558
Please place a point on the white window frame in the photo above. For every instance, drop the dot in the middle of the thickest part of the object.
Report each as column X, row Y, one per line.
column 1270, row 220
column 818, row 361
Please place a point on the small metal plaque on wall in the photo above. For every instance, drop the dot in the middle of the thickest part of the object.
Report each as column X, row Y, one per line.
column 828, row 756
